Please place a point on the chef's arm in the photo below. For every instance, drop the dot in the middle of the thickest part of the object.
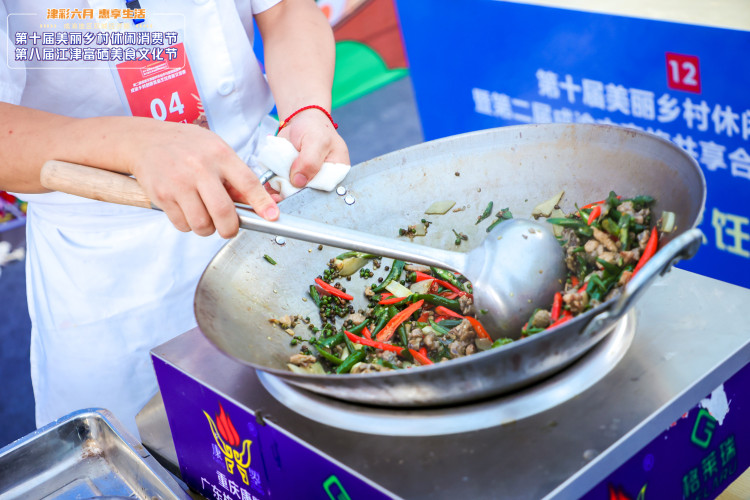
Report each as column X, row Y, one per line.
column 299, row 61
column 187, row 171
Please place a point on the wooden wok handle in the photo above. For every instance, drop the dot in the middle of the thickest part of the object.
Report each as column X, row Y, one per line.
column 93, row 183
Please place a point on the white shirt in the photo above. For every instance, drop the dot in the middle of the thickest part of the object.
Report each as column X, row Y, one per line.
column 107, row 283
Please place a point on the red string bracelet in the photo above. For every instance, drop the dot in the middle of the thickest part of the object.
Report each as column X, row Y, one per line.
column 284, row 123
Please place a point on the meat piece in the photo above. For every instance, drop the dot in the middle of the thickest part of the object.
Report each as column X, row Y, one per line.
column 417, row 267
column 430, row 341
column 467, row 305
column 605, row 240
column 302, row 360
column 357, row 318
column 608, row 257
column 415, row 338
column 643, row 239
column 369, row 368
column 631, row 256
column 462, row 336
column 542, row 319
column 591, row 246
column 624, row 278
column 575, row 301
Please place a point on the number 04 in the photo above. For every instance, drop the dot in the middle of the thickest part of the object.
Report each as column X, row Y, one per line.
column 159, row 110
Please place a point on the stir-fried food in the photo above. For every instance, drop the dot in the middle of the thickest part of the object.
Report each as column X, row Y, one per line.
column 419, row 315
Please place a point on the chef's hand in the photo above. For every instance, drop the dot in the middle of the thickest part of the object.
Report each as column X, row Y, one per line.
column 317, row 141
column 194, row 177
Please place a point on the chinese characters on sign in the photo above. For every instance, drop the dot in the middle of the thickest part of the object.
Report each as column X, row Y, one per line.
column 708, row 123
column 95, row 46
column 225, row 488
column 101, row 14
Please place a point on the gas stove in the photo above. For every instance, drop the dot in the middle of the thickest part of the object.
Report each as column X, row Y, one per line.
column 658, row 409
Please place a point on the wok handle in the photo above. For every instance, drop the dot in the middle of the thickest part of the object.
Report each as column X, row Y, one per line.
column 682, row 247
column 93, row 183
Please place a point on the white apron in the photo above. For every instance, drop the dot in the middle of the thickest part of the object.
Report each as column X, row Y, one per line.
column 107, row 283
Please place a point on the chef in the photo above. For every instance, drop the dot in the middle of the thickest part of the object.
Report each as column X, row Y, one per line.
column 173, row 95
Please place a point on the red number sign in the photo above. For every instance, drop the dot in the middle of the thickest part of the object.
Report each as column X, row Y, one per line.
column 683, row 73
column 162, row 89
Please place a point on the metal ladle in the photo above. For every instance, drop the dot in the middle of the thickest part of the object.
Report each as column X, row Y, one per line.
column 518, row 267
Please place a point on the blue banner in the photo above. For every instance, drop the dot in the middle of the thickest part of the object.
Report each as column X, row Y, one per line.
column 485, row 63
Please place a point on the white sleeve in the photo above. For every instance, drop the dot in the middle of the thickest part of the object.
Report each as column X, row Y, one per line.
column 12, row 80
column 259, row 6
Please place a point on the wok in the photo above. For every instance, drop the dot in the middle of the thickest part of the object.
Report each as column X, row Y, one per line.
column 516, row 167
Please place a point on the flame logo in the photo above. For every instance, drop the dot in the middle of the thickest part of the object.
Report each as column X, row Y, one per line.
column 226, row 428
column 227, row 438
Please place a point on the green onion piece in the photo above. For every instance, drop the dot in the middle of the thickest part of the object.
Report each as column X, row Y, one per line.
column 269, row 259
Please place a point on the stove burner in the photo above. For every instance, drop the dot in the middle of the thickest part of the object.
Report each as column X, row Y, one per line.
column 507, row 408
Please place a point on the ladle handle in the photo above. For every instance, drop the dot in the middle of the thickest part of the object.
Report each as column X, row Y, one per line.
column 682, row 247
column 350, row 239
column 112, row 187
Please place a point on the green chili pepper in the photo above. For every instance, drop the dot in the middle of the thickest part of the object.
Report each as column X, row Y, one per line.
column 394, row 274
column 332, row 341
column 349, row 344
column 612, row 200
column 314, row 295
column 642, row 200
column 576, row 224
column 450, row 323
column 435, row 300
column 359, row 255
column 624, row 232
column 438, row 329
column 501, row 341
column 357, row 330
column 392, row 311
column 269, row 259
column 610, row 226
column 351, row 360
column 485, row 214
column 330, row 357
column 447, row 276
column 382, row 319
column 610, row 268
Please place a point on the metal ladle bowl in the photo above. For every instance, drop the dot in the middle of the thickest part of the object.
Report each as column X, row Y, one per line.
column 517, row 268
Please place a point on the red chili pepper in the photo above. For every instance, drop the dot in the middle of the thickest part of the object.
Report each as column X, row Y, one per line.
column 649, row 251
column 444, row 311
column 567, row 314
column 424, row 317
column 389, row 329
column 366, row 333
column 373, row 343
column 595, row 213
column 423, row 351
column 560, row 321
column 583, row 288
column 556, row 306
column 574, row 280
column 422, row 358
column 422, row 276
column 452, row 296
column 390, row 301
column 332, row 290
column 447, row 285
column 585, row 207
column 478, row 328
